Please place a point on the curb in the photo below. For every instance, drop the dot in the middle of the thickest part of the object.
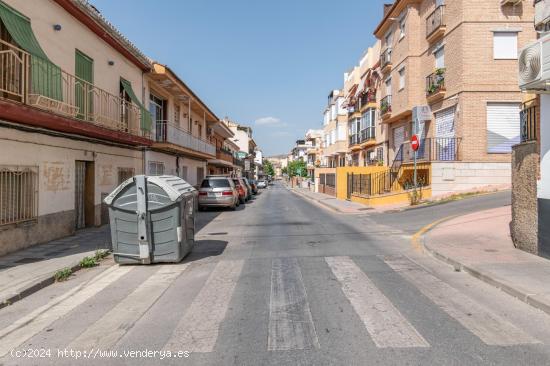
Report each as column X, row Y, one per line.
column 314, row 200
column 494, row 281
column 36, row 286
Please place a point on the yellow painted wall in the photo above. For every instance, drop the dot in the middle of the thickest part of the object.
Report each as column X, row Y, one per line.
column 342, row 177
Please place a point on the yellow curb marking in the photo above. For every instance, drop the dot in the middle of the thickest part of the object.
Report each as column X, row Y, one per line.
column 415, row 240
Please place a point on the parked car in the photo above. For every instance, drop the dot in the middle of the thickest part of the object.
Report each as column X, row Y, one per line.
column 218, row 191
column 245, row 180
column 262, row 184
column 254, row 185
column 241, row 189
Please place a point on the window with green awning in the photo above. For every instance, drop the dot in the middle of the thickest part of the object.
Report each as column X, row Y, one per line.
column 146, row 121
column 45, row 75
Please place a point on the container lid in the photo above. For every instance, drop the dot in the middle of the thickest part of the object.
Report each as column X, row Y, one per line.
column 161, row 190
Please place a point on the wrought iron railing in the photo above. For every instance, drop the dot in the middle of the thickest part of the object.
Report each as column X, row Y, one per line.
column 37, row 82
column 385, row 105
column 367, row 98
column 435, row 82
column 528, row 124
column 435, row 20
column 224, row 154
column 18, row 194
column 168, row 132
column 368, row 133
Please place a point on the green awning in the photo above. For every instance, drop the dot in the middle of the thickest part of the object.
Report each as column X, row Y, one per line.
column 46, row 76
column 146, row 120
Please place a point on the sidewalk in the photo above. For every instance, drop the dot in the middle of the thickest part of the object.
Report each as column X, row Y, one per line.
column 480, row 244
column 27, row 271
column 343, row 206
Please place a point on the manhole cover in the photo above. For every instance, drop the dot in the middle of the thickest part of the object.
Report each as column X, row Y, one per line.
column 29, row 260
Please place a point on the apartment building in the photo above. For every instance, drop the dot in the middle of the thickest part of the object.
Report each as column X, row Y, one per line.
column 450, row 66
column 225, row 162
column 313, row 140
column 72, row 119
column 335, row 131
column 182, row 126
column 246, row 144
column 367, row 135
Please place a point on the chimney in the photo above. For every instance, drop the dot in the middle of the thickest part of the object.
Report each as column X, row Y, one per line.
column 387, row 8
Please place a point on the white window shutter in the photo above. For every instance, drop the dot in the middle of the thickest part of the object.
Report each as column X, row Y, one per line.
column 505, row 45
column 503, row 126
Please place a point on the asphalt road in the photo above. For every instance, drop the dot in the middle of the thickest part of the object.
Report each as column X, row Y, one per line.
column 283, row 281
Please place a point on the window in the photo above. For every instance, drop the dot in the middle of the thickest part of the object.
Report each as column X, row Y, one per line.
column 156, row 168
column 402, row 78
column 440, row 58
column 177, row 115
column 18, row 193
column 505, row 45
column 389, row 39
column 124, row 174
column 388, row 86
column 503, row 127
column 402, row 26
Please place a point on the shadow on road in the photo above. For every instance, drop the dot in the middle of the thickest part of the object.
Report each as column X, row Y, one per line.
column 206, row 248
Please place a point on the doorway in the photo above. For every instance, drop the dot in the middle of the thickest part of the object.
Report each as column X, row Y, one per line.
column 84, row 194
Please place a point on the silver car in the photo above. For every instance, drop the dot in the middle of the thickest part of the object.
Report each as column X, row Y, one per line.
column 218, row 191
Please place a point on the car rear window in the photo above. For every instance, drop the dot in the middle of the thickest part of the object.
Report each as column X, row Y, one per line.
column 215, row 183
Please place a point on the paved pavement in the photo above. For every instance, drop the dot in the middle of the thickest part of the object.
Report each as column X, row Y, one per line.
column 281, row 281
column 480, row 244
column 28, row 270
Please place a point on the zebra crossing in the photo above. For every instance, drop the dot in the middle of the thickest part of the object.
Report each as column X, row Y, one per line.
column 291, row 323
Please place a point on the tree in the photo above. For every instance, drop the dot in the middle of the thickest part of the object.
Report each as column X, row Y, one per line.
column 268, row 168
column 297, row 168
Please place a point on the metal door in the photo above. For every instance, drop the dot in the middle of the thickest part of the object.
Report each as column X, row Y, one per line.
column 79, row 194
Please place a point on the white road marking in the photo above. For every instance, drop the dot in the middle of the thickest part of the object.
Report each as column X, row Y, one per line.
column 489, row 327
column 108, row 330
column 290, row 323
column 26, row 327
column 386, row 325
column 197, row 330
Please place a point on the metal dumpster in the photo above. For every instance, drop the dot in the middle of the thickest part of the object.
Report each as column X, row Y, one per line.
column 152, row 219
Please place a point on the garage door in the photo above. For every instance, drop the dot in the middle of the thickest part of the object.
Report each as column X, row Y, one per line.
column 503, row 127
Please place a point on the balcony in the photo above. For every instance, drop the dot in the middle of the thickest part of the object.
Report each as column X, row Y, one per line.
column 354, row 140
column 385, row 107
column 238, row 162
column 368, row 134
column 385, row 61
column 435, row 24
column 224, row 154
column 367, row 98
column 38, row 83
column 435, row 85
column 166, row 132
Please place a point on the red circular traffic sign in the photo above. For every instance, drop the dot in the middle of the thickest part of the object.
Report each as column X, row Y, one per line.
column 415, row 143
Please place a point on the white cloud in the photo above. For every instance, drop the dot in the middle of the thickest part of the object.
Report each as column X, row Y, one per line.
column 269, row 121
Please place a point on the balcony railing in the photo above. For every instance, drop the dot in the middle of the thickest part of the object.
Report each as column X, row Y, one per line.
column 224, row 154
column 366, row 98
column 432, row 149
column 385, row 105
column 435, row 20
column 368, row 133
column 167, row 132
column 37, row 82
column 385, row 58
column 435, row 82
column 354, row 139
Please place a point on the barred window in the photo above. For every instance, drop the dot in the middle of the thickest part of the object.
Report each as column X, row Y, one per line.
column 18, row 193
column 124, row 174
column 156, row 168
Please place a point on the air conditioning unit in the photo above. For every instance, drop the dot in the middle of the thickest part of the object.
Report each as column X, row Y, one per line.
column 534, row 66
column 542, row 15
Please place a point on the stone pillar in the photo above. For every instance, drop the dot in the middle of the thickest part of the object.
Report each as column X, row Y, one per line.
column 543, row 185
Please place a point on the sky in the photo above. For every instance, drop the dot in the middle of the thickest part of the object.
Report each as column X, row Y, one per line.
column 267, row 64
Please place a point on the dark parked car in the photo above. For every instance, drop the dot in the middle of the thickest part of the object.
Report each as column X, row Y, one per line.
column 245, row 180
column 254, row 185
